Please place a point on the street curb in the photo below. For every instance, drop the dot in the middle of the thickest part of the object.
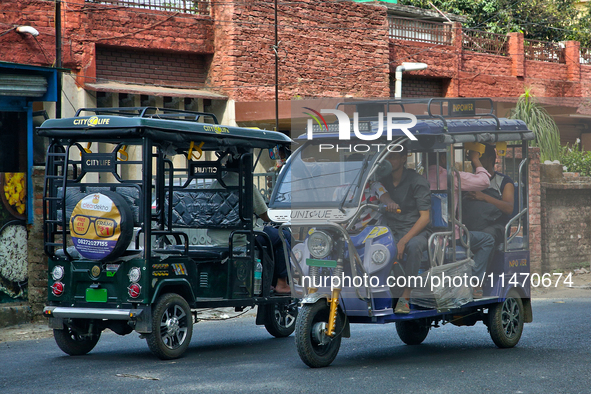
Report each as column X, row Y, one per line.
column 16, row 313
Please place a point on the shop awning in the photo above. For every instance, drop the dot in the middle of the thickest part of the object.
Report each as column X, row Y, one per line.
column 154, row 90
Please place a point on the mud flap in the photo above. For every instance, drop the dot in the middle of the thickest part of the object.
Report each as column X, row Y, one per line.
column 57, row 323
column 347, row 329
column 260, row 320
column 528, row 314
column 143, row 321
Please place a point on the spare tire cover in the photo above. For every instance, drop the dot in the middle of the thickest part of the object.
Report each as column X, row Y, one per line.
column 101, row 226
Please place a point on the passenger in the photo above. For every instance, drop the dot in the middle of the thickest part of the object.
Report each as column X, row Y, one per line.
column 490, row 210
column 409, row 192
column 372, row 194
column 221, row 237
column 481, row 244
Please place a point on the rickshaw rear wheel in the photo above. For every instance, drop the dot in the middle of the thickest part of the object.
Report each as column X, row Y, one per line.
column 280, row 319
column 172, row 327
column 315, row 348
column 412, row 332
column 73, row 343
column 506, row 321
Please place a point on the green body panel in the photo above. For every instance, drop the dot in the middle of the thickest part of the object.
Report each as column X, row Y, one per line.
column 321, row 263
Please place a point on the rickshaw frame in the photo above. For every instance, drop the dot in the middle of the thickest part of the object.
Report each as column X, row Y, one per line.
column 450, row 132
column 175, row 275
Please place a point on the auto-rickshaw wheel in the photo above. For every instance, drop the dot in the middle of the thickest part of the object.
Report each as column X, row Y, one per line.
column 280, row 319
column 506, row 321
column 412, row 332
column 73, row 343
column 172, row 327
column 316, row 349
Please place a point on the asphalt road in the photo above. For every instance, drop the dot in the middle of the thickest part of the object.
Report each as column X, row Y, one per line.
column 553, row 356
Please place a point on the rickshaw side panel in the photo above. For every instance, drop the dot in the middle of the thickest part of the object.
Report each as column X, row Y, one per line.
column 507, row 270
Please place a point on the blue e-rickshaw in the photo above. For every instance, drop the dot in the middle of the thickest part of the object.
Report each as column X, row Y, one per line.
column 345, row 273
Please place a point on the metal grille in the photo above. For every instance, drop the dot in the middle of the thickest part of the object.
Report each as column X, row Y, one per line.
column 421, row 31
column 544, row 51
column 485, row 42
column 196, row 7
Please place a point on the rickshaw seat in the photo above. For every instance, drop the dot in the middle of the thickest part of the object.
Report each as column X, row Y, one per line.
column 208, row 252
column 204, row 209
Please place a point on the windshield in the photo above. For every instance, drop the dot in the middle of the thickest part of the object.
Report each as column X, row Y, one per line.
column 320, row 176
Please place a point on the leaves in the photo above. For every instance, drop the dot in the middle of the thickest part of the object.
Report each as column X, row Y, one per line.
column 541, row 123
column 547, row 20
column 576, row 160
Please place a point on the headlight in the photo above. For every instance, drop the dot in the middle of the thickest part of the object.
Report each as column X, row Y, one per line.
column 378, row 257
column 319, row 244
column 134, row 274
column 298, row 255
column 58, row 272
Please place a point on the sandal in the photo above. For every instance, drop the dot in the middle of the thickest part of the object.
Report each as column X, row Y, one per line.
column 477, row 293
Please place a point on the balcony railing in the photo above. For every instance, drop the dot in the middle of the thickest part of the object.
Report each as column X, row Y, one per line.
column 585, row 55
column 421, row 31
column 196, row 7
column 485, row 42
column 544, row 51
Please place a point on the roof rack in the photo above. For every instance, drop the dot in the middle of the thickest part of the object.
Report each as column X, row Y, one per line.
column 448, row 107
column 151, row 112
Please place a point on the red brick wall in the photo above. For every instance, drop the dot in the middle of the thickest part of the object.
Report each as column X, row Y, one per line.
column 535, row 211
column 416, row 87
column 37, row 268
column 23, row 48
column 327, row 49
column 151, row 67
column 487, row 75
column 533, row 203
column 85, row 25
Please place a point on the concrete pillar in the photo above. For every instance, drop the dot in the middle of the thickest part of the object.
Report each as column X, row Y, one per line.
column 457, row 42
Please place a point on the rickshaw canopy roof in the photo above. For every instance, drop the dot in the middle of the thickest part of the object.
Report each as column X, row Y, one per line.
column 452, row 130
column 442, row 120
column 176, row 127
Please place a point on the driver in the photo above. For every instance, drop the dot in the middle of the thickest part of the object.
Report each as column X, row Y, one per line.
column 409, row 192
column 221, row 237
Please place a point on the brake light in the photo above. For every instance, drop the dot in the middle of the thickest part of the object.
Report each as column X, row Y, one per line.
column 57, row 289
column 134, row 290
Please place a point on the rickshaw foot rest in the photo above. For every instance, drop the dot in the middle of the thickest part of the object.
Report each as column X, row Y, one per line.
column 203, row 253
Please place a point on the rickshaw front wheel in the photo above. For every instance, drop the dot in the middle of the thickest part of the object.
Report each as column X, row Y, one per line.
column 506, row 321
column 280, row 319
column 412, row 332
column 73, row 343
column 316, row 349
column 172, row 327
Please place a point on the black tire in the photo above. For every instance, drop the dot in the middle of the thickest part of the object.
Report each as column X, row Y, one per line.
column 280, row 319
column 314, row 350
column 74, row 344
column 412, row 332
column 172, row 327
column 505, row 321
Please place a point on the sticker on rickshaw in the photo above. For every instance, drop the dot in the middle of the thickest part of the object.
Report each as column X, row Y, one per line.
column 95, row 226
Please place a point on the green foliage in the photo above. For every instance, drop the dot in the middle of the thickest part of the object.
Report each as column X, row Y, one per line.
column 548, row 20
column 576, row 160
column 541, row 123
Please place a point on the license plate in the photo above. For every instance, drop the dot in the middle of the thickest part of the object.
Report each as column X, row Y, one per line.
column 96, row 295
column 321, row 263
